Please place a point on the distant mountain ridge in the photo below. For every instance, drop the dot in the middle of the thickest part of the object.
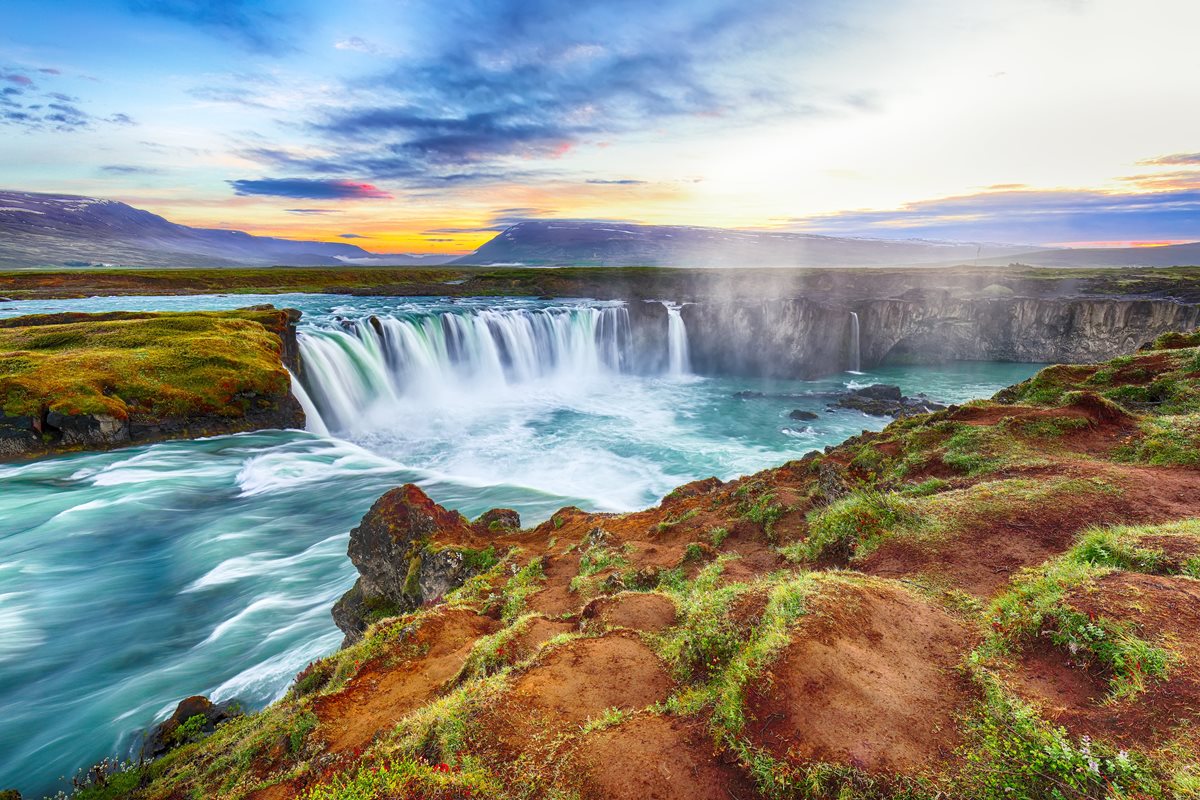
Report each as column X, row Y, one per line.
column 69, row 230
column 590, row 243
column 50, row 230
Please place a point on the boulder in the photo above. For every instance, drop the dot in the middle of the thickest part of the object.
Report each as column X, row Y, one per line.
column 884, row 400
column 408, row 551
column 801, row 414
column 194, row 718
column 9, row 794
column 498, row 519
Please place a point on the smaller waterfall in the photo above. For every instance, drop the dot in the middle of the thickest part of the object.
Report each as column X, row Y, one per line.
column 855, row 347
column 312, row 417
column 678, row 360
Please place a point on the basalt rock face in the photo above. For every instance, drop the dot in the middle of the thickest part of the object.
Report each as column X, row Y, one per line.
column 800, row 338
column 408, row 550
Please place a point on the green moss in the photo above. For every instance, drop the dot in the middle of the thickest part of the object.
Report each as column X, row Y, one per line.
column 1012, row 753
column 155, row 365
column 852, row 525
column 672, row 521
column 717, row 536
column 1165, row 440
column 526, row 582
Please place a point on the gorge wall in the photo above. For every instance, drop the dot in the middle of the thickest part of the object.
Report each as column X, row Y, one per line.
column 806, row 338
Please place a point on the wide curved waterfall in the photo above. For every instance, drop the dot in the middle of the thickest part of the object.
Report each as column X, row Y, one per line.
column 379, row 360
column 678, row 358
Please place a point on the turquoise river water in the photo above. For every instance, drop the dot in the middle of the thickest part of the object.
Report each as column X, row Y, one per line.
column 130, row 579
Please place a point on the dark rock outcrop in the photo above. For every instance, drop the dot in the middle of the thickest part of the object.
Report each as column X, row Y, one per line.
column 883, row 400
column 498, row 519
column 408, row 550
column 801, row 414
column 194, row 718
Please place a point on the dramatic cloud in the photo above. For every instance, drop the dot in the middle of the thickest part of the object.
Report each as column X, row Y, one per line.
column 259, row 25
column 129, row 169
column 497, row 86
column 1178, row 159
column 1034, row 217
column 309, row 189
column 23, row 104
column 352, row 236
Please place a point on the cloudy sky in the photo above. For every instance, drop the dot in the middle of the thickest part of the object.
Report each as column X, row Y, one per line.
column 425, row 125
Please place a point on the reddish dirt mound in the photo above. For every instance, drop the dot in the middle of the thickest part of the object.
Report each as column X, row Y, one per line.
column 1107, row 425
column 985, row 554
column 657, row 758
column 538, row 631
column 635, row 610
column 381, row 694
column 1161, row 609
column 869, row 679
column 575, row 682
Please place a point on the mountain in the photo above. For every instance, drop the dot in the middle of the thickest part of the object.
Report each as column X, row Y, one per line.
column 586, row 243
column 1172, row 255
column 66, row 230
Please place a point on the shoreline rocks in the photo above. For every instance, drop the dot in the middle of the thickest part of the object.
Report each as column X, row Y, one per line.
column 194, row 718
column 884, row 400
column 408, row 551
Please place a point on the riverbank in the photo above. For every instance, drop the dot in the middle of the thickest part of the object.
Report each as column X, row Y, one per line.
column 995, row 598
column 91, row 381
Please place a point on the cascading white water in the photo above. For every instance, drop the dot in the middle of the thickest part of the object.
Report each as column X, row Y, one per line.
column 312, row 417
column 855, row 348
column 377, row 361
column 678, row 359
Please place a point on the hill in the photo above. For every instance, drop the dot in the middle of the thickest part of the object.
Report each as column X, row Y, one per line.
column 48, row 230
column 584, row 243
column 992, row 601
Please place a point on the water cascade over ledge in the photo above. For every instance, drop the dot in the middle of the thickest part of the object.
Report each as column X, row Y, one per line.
column 678, row 358
column 855, row 346
column 377, row 361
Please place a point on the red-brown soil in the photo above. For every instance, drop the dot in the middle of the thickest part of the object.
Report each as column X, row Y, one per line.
column 652, row 757
column 983, row 555
column 639, row 611
column 576, row 682
column 382, row 693
column 1163, row 610
column 869, row 679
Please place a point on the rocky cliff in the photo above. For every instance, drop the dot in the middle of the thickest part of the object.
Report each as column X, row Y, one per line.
column 95, row 381
column 806, row 338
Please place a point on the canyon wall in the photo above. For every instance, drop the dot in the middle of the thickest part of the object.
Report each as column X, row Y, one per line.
column 802, row 338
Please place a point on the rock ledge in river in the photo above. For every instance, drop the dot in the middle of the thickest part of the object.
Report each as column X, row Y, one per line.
column 409, row 550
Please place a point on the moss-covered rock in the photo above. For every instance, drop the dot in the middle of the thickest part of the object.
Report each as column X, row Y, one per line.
column 76, row 381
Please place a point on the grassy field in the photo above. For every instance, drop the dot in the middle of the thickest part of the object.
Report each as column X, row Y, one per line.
column 155, row 366
column 600, row 282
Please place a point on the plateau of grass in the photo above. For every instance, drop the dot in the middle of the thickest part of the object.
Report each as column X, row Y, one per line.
column 156, row 365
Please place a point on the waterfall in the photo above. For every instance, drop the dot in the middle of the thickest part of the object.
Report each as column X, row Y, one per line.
column 312, row 417
column 855, row 347
column 678, row 360
column 377, row 363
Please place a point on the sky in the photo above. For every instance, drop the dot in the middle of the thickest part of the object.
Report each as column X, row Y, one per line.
column 428, row 125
